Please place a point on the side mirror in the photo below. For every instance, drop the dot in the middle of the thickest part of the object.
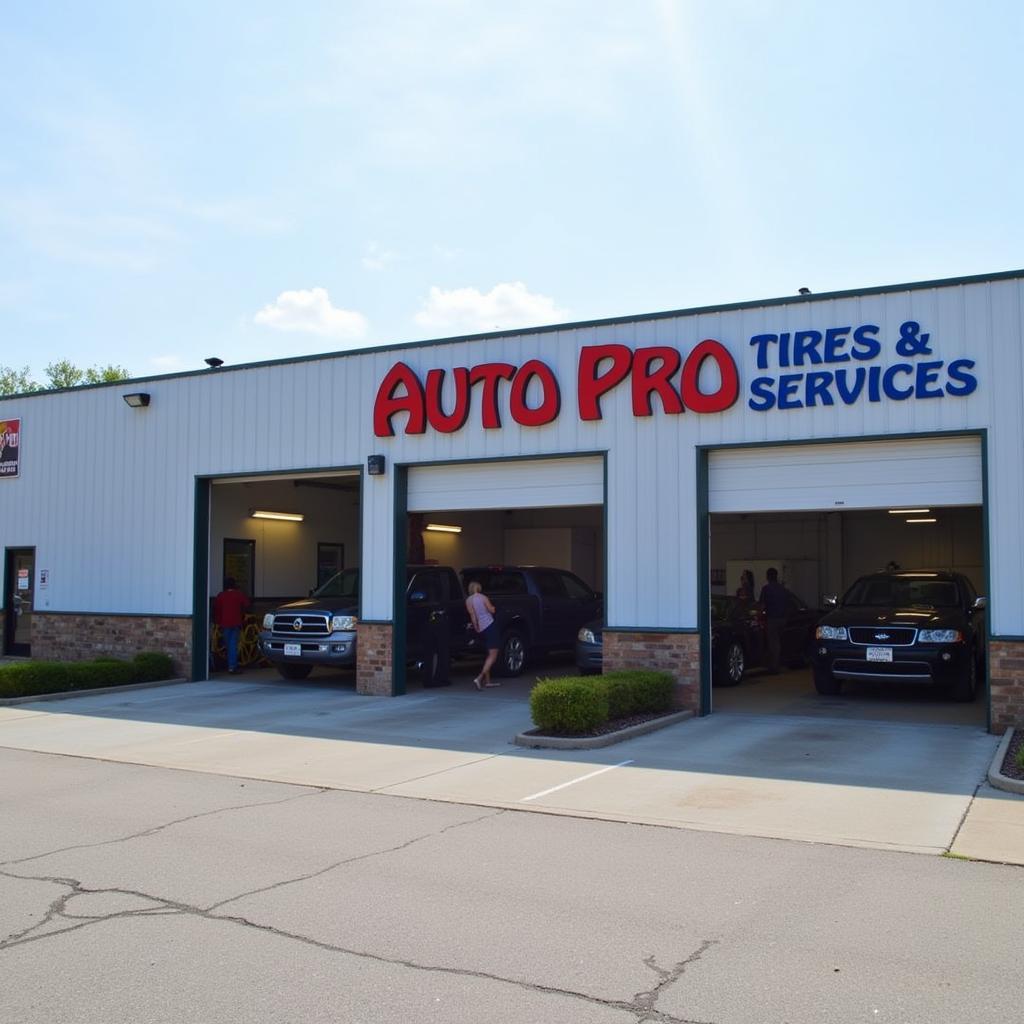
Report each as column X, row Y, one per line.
column 831, row 600
column 980, row 603
column 417, row 597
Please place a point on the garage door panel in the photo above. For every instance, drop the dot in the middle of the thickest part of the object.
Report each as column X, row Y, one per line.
column 527, row 483
column 926, row 472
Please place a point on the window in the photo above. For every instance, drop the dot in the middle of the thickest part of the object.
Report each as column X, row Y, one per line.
column 577, row 589
column 549, row 584
column 428, row 584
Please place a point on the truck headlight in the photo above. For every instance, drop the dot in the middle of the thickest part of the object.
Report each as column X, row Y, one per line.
column 831, row 633
column 343, row 622
column 586, row 636
column 940, row 636
column 268, row 621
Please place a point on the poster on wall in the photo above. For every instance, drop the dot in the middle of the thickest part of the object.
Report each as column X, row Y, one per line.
column 240, row 564
column 330, row 558
column 10, row 448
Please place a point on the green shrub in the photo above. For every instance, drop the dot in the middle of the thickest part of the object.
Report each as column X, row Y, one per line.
column 578, row 704
column 27, row 679
column 568, row 705
column 92, row 675
column 151, row 667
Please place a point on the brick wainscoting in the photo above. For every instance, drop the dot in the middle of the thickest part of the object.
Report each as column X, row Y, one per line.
column 77, row 637
column 1006, row 682
column 678, row 653
column 373, row 659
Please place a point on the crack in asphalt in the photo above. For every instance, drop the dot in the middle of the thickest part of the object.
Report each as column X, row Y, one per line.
column 352, row 860
column 153, row 830
column 642, row 1005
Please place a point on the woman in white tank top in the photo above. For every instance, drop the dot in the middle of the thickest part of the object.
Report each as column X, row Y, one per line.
column 481, row 614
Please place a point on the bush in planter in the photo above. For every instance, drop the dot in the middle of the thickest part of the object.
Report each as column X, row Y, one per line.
column 568, row 705
column 151, row 667
column 29, row 678
column 92, row 675
column 578, row 704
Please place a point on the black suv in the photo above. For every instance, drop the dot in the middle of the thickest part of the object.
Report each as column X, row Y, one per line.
column 907, row 626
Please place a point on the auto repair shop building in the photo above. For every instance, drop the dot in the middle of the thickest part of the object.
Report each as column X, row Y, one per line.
column 655, row 454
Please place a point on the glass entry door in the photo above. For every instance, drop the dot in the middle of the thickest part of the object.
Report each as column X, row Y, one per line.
column 19, row 593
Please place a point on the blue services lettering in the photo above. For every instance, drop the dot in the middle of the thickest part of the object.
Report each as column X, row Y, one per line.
column 916, row 373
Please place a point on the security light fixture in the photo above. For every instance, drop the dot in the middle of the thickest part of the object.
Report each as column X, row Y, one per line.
column 908, row 511
column 805, row 291
column 213, row 362
column 137, row 399
column 290, row 517
column 375, row 465
column 439, row 528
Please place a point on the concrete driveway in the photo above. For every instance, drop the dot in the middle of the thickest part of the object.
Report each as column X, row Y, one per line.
column 886, row 785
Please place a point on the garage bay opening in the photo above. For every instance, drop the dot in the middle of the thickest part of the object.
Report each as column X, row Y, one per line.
column 870, row 601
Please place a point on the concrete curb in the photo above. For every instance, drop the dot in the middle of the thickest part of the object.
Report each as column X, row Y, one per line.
column 996, row 777
column 591, row 742
column 68, row 694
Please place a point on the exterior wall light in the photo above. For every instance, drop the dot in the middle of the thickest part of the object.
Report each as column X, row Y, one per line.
column 290, row 517
column 137, row 400
column 375, row 465
column 438, row 528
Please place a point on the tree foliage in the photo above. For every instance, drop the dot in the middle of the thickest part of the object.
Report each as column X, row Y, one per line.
column 62, row 374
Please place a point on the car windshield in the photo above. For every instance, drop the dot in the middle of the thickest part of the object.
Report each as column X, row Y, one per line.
column 341, row 584
column 902, row 592
column 722, row 608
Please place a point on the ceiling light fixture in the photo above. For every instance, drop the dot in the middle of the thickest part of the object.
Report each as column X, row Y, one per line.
column 291, row 517
column 907, row 511
column 439, row 528
column 922, row 520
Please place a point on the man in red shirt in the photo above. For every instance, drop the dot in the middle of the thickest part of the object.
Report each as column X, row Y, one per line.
column 229, row 613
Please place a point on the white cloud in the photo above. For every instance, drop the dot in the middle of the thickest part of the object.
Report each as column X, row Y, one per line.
column 309, row 310
column 504, row 307
column 378, row 258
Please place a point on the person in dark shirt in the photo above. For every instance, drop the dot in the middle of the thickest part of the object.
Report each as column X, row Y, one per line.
column 229, row 608
column 774, row 600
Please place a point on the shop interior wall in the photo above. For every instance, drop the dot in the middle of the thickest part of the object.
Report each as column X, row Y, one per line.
column 567, row 538
column 286, row 552
column 837, row 547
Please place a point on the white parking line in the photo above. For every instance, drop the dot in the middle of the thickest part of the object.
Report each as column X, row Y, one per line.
column 582, row 778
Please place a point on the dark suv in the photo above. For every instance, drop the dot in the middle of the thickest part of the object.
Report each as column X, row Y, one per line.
column 907, row 626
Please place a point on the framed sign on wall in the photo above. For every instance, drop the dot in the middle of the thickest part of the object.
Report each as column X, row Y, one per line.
column 330, row 558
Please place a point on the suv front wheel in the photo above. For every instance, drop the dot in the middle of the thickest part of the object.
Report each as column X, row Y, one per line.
column 826, row 684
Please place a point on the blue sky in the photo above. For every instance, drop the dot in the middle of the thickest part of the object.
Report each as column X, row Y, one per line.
column 257, row 180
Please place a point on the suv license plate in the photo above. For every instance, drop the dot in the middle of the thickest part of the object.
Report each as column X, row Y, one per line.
column 294, row 650
column 874, row 653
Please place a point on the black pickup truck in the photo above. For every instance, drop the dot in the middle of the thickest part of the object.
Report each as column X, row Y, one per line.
column 321, row 629
column 538, row 609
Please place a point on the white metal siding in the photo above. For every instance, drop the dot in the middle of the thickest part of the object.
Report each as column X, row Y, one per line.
column 532, row 483
column 919, row 472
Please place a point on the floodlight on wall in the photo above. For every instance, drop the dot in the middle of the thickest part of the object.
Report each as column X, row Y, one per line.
column 439, row 528
column 289, row 517
column 137, row 399
column 375, row 465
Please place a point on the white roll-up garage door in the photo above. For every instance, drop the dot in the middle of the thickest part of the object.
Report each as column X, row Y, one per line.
column 921, row 472
column 528, row 483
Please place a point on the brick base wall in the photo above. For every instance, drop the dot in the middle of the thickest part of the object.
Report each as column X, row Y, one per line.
column 1006, row 683
column 373, row 659
column 678, row 653
column 73, row 637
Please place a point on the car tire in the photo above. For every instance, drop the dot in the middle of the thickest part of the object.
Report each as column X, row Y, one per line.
column 512, row 654
column 294, row 671
column 964, row 690
column 733, row 665
column 826, row 684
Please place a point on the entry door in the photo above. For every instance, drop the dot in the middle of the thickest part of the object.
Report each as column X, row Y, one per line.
column 19, row 583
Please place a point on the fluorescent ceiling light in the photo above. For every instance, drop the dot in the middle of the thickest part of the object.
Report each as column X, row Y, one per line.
column 907, row 511
column 922, row 520
column 438, row 528
column 291, row 517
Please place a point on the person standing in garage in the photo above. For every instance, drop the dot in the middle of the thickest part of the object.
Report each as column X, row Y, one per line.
column 229, row 608
column 481, row 614
column 774, row 602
